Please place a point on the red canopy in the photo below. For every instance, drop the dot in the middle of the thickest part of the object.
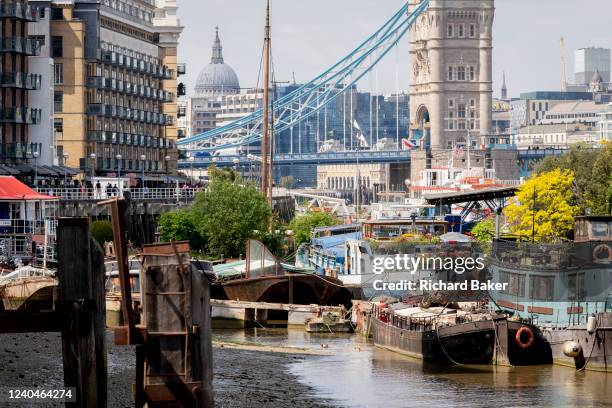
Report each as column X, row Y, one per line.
column 13, row 189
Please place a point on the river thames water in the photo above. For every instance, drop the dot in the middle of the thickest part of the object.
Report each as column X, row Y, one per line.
column 354, row 373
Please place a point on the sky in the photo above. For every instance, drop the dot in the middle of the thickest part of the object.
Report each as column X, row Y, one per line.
column 310, row 36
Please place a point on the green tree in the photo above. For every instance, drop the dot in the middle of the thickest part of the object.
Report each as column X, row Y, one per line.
column 287, row 182
column 303, row 225
column 544, row 204
column 228, row 213
column 592, row 169
column 484, row 230
column 102, row 231
column 180, row 226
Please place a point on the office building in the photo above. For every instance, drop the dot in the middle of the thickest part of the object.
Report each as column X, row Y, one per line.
column 588, row 61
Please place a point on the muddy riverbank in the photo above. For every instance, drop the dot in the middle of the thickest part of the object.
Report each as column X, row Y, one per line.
column 242, row 378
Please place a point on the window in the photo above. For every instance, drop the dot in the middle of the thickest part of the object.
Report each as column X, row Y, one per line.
column 451, row 103
column 58, row 101
column 542, row 287
column 575, row 286
column 461, row 110
column 58, row 74
column 461, row 30
column 472, row 30
column 515, row 281
column 472, row 73
column 472, row 103
column 460, row 73
column 450, row 73
column 449, row 31
column 58, row 125
column 57, row 13
column 57, row 47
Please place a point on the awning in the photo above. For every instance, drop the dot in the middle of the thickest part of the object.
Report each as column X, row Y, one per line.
column 61, row 170
column 8, row 171
column 50, row 171
column 13, row 189
column 28, row 169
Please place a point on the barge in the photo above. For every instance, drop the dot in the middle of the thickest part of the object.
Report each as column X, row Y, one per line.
column 444, row 336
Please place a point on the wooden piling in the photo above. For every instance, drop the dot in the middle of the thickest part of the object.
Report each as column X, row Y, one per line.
column 81, row 302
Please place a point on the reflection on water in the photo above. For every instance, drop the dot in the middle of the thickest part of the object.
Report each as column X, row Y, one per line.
column 357, row 374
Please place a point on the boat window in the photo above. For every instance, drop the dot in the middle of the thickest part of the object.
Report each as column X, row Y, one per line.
column 575, row 286
column 516, row 283
column 599, row 229
column 542, row 287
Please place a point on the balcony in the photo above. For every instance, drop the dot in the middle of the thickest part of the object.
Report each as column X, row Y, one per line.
column 125, row 87
column 28, row 116
column 21, row 80
column 19, row 45
column 121, row 112
column 14, row 151
column 138, row 65
column 20, row 11
column 181, row 69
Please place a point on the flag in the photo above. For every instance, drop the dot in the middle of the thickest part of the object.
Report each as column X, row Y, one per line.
column 408, row 144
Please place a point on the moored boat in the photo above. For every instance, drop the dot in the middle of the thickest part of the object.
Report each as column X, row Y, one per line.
column 445, row 336
column 28, row 288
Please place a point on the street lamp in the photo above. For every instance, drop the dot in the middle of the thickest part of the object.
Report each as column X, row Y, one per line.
column 191, row 160
column 35, row 155
column 92, row 156
column 142, row 166
column 65, row 156
column 118, row 157
column 167, row 159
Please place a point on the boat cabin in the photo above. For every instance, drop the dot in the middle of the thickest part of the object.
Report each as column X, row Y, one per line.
column 593, row 228
column 390, row 229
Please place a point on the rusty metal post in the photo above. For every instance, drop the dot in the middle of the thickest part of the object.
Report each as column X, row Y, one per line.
column 118, row 208
column 176, row 327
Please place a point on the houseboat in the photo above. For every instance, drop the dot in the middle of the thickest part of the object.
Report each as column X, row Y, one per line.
column 565, row 288
column 454, row 336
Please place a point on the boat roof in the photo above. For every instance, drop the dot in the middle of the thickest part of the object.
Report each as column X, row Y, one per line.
column 406, row 221
column 335, row 240
column 336, row 227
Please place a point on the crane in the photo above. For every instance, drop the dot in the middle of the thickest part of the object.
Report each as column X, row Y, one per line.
column 563, row 66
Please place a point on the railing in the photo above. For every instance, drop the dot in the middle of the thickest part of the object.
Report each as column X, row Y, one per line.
column 19, row 10
column 19, row 45
column 122, row 112
column 77, row 194
column 29, row 116
column 135, row 64
column 18, row 226
column 100, row 82
column 20, row 80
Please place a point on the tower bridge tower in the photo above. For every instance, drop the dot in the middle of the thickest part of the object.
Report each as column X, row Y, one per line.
column 451, row 70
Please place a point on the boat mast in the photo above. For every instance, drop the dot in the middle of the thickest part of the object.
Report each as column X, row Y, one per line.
column 266, row 101
column 271, row 169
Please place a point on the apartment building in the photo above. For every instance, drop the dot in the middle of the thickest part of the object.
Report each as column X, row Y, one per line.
column 17, row 115
column 115, row 81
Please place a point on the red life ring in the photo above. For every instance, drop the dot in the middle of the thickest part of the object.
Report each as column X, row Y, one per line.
column 530, row 336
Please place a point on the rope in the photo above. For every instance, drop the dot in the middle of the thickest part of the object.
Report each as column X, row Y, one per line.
column 586, row 362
